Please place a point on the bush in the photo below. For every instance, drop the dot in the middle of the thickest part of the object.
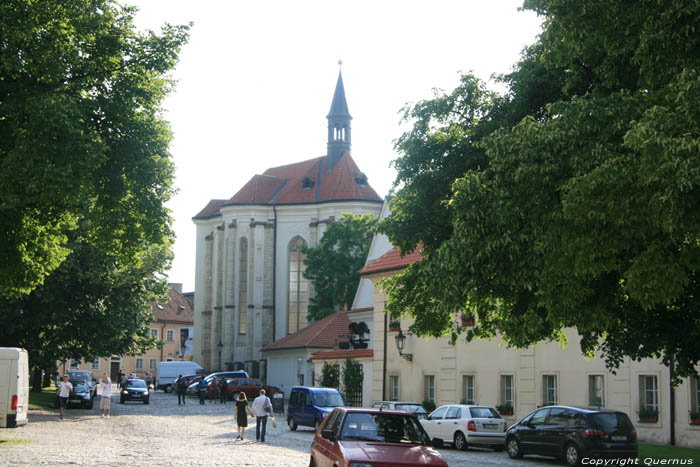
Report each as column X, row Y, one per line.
column 429, row 406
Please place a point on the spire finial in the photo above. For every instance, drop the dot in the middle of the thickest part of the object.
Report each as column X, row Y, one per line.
column 340, row 63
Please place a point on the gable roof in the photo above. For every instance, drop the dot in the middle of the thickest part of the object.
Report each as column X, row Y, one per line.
column 325, row 333
column 300, row 183
column 391, row 261
column 177, row 310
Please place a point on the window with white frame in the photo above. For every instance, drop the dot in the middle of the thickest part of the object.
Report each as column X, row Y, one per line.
column 596, row 390
column 139, row 363
column 154, row 333
column 507, row 393
column 170, row 335
column 394, row 387
column 648, row 392
column 429, row 387
column 152, row 362
column 549, row 390
column 95, row 363
column 695, row 394
column 468, row 389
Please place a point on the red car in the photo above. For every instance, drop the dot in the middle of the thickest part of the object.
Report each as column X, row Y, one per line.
column 349, row 436
column 250, row 386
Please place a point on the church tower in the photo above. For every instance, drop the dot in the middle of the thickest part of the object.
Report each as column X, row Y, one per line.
column 338, row 126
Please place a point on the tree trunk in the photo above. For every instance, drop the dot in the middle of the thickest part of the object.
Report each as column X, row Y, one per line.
column 36, row 380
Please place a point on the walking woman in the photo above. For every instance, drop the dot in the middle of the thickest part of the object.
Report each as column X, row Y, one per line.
column 240, row 413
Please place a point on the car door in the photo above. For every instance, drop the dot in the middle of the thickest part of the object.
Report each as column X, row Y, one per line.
column 307, row 410
column 324, row 451
column 452, row 423
column 554, row 431
column 433, row 424
column 530, row 432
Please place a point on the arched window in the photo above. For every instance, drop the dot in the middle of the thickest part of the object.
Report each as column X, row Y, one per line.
column 243, row 289
column 298, row 287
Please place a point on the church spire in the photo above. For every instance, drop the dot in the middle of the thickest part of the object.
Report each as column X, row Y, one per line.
column 338, row 125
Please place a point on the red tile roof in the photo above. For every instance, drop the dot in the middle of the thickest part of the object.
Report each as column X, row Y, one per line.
column 325, row 333
column 341, row 354
column 391, row 261
column 285, row 185
column 177, row 310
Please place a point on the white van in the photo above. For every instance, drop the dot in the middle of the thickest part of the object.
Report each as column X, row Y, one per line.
column 169, row 371
column 14, row 387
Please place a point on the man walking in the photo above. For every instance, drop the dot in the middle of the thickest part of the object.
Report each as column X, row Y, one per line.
column 106, row 385
column 262, row 407
column 64, row 389
column 181, row 390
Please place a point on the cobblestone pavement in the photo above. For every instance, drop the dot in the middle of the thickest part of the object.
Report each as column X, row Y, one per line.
column 163, row 433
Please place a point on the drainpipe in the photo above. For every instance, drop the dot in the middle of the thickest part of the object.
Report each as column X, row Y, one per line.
column 384, row 366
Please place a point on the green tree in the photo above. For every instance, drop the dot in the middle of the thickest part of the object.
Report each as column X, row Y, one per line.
column 584, row 213
column 82, row 138
column 84, row 174
column 332, row 266
column 330, row 377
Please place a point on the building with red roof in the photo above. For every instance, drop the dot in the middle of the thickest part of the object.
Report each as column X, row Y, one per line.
column 249, row 284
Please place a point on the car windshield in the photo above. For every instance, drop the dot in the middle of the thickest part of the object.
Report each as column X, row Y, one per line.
column 611, row 421
column 483, row 412
column 328, row 399
column 383, row 427
column 413, row 408
column 136, row 383
column 79, row 376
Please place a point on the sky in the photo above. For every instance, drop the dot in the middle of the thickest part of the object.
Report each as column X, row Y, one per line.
column 256, row 80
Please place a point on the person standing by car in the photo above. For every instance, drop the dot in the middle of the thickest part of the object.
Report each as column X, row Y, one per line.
column 64, row 389
column 240, row 413
column 214, row 390
column 148, row 380
column 181, row 390
column 222, row 390
column 261, row 408
column 106, row 385
column 202, row 390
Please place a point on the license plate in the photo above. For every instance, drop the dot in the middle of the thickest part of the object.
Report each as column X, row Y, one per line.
column 136, row 395
column 619, row 438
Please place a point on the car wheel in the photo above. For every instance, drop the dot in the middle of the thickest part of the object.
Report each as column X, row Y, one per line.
column 168, row 388
column 460, row 441
column 572, row 455
column 292, row 424
column 514, row 451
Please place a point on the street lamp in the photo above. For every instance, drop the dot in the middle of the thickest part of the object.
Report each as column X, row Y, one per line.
column 220, row 345
column 400, row 343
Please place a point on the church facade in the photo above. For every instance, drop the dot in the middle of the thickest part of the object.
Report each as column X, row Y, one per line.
column 249, row 284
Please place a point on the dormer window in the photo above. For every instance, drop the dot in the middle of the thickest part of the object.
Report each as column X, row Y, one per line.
column 361, row 179
column 307, row 183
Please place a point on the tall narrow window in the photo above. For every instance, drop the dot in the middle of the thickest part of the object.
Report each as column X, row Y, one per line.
column 549, row 386
column 468, row 396
column 429, row 387
column 394, row 387
column 139, row 363
column 648, row 393
column 695, row 394
column 298, row 287
column 243, row 289
column 152, row 362
column 507, row 394
column 95, row 363
column 596, row 391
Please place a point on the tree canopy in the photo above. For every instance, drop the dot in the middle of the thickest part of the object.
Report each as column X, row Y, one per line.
column 84, row 174
column 332, row 266
column 572, row 199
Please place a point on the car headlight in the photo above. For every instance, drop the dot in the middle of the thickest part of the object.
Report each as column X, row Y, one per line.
column 145, row 393
column 125, row 392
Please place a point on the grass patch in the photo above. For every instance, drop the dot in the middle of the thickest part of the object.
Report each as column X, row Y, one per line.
column 43, row 399
column 656, row 451
column 9, row 442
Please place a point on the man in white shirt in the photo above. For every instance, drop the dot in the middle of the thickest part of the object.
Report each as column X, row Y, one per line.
column 106, row 385
column 64, row 389
column 262, row 407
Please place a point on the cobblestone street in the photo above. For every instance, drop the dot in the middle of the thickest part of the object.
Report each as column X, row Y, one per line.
column 163, row 433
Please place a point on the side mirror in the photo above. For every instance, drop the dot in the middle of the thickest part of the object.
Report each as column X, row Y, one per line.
column 438, row 443
column 328, row 434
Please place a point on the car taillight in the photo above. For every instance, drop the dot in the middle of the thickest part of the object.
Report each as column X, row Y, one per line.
column 471, row 426
column 594, row 433
column 15, row 401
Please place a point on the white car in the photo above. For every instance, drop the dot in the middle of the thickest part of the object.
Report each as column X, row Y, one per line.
column 465, row 425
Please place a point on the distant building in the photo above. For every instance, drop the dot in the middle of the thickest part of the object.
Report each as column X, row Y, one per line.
column 172, row 323
column 249, row 284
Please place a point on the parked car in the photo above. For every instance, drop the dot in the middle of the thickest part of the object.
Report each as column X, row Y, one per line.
column 411, row 407
column 80, row 395
column 169, row 371
column 135, row 390
column 85, row 376
column 193, row 388
column 355, row 437
column 464, row 425
column 571, row 434
column 308, row 406
column 250, row 386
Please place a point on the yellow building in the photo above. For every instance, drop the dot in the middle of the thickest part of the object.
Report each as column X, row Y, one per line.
column 172, row 324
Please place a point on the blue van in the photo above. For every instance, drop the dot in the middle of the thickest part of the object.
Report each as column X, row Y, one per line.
column 307, row 406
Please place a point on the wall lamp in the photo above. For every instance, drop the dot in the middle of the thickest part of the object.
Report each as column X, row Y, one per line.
column 400, row 343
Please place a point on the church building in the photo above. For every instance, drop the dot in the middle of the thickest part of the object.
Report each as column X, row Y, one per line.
column 249, row 285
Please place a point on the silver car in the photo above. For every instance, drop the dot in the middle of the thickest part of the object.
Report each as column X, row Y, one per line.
column 410, row 407
column 465, row 425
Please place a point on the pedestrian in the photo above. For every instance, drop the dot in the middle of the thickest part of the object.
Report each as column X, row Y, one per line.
column 262, row 407
column 119, row 379
column 181, row 390
column 132, row 375
column 148, row 380
column 240, row 413
column 202, row 390
column 106, row 385
column 124, row 380
column 223, row 393
column 64, row 389
column 214, row 390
